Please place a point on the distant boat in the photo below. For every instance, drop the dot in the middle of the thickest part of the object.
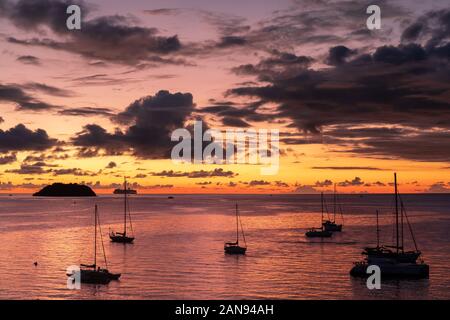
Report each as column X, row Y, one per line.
column 170, row 197
column 91, row 273
column 330, row 225
column 121, row 237
column 125, row 191
column 394, row 261
column 234, row 247
column 319, row 232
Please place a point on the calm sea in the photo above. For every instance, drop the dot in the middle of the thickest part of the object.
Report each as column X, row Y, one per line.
column 178, row 253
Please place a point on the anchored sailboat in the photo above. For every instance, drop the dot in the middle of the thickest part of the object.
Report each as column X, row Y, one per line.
column 121, row 237
column 394, row 261
column 234, row 247
column 319, row 232
column 330, row 225
column 92, row 273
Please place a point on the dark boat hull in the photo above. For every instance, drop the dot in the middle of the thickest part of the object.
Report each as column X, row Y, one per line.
column 97, row 276
column 234, row 250
column 121, row 239
column 318, row 234
column 394, row 270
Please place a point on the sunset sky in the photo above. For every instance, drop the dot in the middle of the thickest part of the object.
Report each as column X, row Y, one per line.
column 352, row 105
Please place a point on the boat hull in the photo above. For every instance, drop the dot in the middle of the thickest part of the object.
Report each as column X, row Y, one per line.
column 235, row 250
column 395, row 270
column 121, row 239
column 318, row 234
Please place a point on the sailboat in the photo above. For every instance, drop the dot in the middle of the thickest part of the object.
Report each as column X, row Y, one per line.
column 330, row 225
column 234, row 247
column 319, row 232
column 394, row 261
column 92, row 273
column 121, row 237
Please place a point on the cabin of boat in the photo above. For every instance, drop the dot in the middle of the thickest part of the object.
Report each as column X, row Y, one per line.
column 384, row 253
column 332, row 226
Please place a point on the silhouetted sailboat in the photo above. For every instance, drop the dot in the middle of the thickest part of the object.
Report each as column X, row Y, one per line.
column 234, row 247
column 319, row 232
column 121, row 237
column 91, row 273
column 330, row 225
column 394, row 261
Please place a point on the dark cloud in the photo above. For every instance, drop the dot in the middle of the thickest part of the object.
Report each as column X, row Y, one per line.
column 355, row 182
column 439, row 187
column 32, row 60
column 29, row 169
column 347, row 168
column 8, row 158
column 338, row 55
column 150, row 122
column 20, row 138
column 218, row 172
column 44, row 88
column 325, row 183
column 111, row 165
column 108, row 38
column 405, row 87
column 234, row 122
column 231, row 41
column 86, row 112
column 16, row 94
column 72, row 171
column 255, row 183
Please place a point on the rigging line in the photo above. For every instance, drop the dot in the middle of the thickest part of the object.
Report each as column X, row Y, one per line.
column 129, row 218
column 101, row 239
column 242, row 229
column 340, row 209
column 409, row 225
column 326, row 208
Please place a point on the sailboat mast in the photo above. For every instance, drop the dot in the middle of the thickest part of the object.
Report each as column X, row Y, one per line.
column 125, row 207
column 237, row 225
column 334, row 204
column 378, row 232
column 95, row 237
column 396, row 211
column 321, row 202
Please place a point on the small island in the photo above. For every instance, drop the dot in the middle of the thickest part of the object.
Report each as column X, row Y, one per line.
column 65, row 190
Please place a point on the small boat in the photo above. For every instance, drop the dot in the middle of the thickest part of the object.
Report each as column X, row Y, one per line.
column 121, row 237
column 319, row 232
column 125, row 191
column 394, row 261
column 234, row 247
column 330, row 225
column 92, row 273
